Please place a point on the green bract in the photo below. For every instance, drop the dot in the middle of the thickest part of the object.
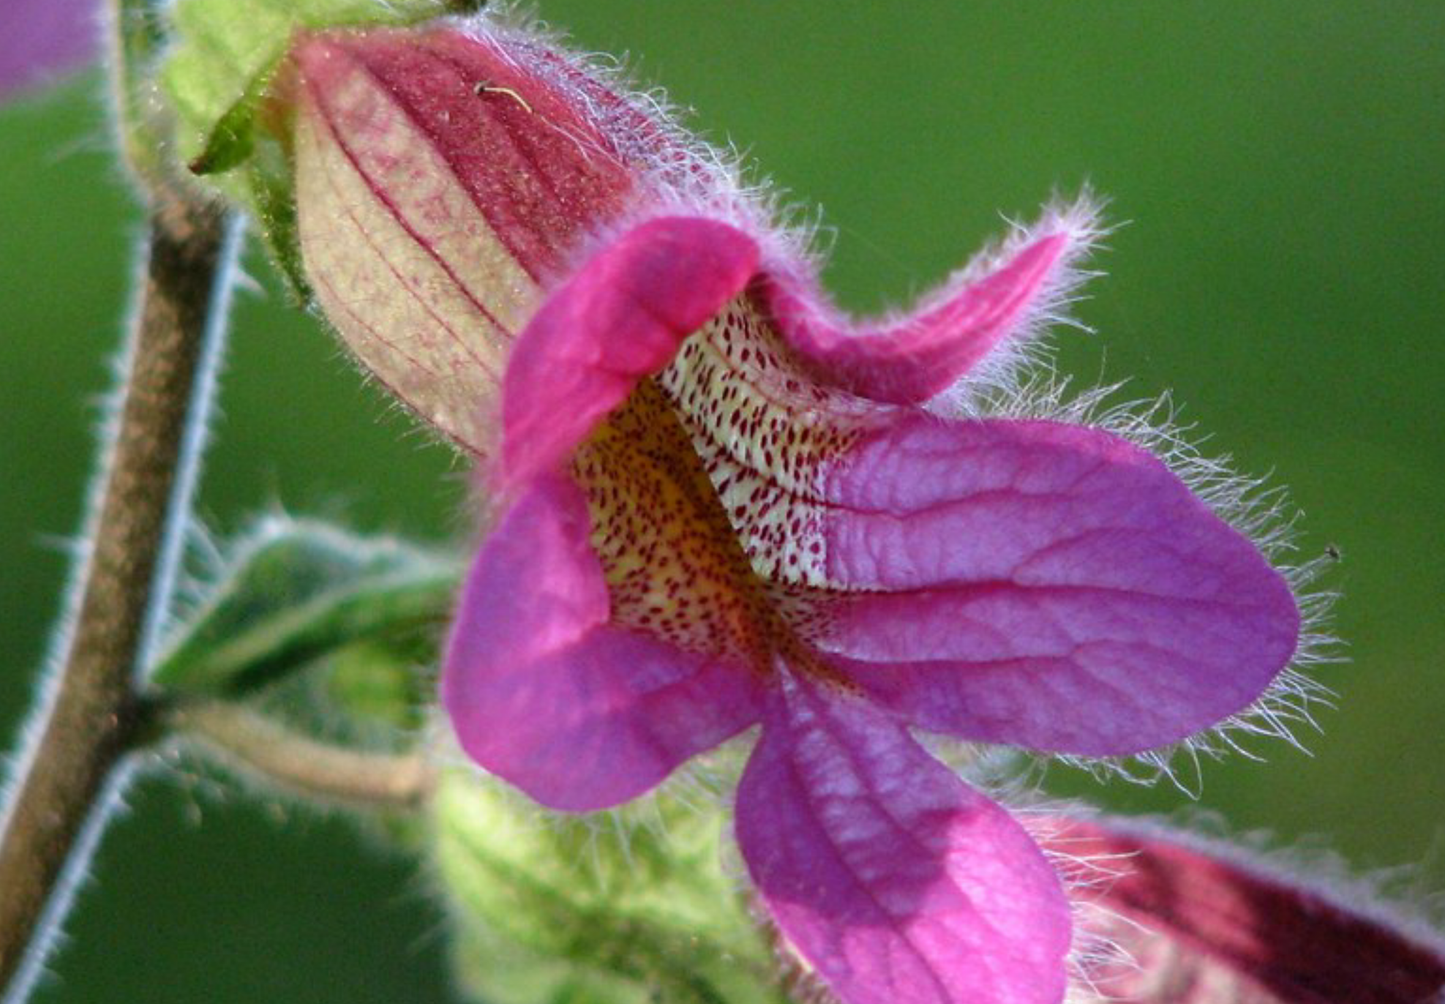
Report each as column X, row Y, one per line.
column 627, row 908
column 293, row 592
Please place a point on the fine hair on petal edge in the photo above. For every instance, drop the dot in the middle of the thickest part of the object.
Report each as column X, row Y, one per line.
column 1262, row 513
column 1019, row 359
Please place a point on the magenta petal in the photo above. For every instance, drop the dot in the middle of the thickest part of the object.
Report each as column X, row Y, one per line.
column 44, row 38
column 619, row 318
column 1046, row 585
column 895, row 880
column 544, row 692
column 913, row 359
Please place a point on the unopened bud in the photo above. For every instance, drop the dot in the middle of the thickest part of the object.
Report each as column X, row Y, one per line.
column 1186, row 920
column 442, row 178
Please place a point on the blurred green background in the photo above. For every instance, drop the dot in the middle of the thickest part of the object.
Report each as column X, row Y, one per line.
column 1282, row 171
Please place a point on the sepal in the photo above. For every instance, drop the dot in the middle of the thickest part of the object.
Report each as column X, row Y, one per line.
column 222, row 50
column 627, row 909
column 218, row 75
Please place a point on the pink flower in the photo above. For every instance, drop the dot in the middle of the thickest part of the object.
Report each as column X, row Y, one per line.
column 43, row 38
column 1187, row 920
column 723, row 505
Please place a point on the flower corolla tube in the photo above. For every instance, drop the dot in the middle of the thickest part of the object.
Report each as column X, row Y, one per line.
column 720, row 504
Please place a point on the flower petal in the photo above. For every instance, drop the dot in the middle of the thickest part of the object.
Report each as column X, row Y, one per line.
column 894, row 880
column 1041, row 584
column 620, row 318
column 1200, row 921
column 912, row 359
column 543, row 690
column 43, row 39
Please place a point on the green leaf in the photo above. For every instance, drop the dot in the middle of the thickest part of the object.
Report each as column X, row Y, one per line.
column 272, row 197
column 231, row 140
column 623, row 908
column 294, row 591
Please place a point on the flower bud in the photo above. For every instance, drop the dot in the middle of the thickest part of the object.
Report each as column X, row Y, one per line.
column 1187, row 920
column 441, row 178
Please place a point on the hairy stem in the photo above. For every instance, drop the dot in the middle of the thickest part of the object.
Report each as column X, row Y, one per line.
column 86, row 716
column 60, row 786
column 268, row 751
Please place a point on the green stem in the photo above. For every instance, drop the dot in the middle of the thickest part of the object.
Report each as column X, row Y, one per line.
column 136, row 38
column 263, row 749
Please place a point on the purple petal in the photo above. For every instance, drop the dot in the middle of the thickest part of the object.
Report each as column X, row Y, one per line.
column 43, row 38
column 894, row 880
column 1201, row 921
column 545, row 692
column 619, row 319
column 1045, row 585
column 912, row 359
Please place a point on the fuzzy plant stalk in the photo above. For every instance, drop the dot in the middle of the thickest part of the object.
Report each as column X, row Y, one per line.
column 88, row 712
